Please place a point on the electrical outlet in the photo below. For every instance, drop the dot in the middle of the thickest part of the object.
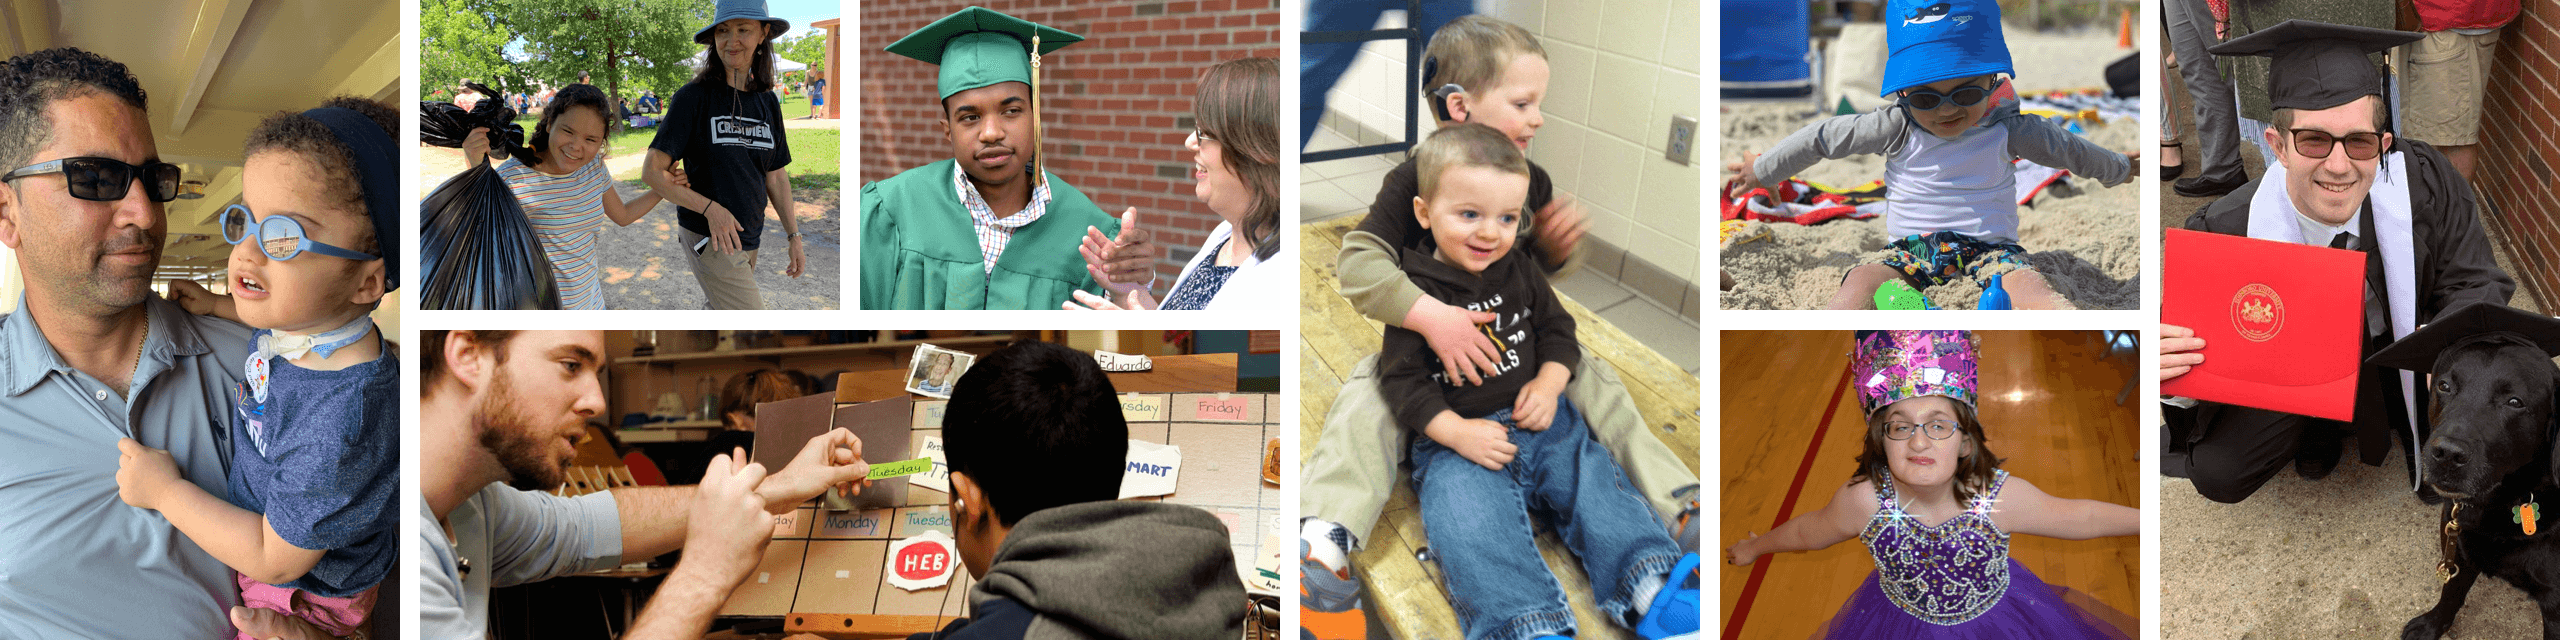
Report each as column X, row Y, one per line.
column 1684, row 134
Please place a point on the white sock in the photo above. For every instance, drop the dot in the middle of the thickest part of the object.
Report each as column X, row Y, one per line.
column 1644, row 592
column 1319, row 536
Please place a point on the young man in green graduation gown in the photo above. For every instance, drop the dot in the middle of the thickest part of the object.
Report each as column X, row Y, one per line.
column 987, row 229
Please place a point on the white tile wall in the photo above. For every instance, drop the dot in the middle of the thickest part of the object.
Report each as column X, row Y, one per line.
column 1621, row 69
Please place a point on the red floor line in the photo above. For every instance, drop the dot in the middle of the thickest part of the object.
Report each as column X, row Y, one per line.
column 1760, row 568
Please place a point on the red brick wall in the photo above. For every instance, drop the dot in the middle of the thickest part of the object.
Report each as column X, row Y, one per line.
column 1118, row 105
column 2520, row 149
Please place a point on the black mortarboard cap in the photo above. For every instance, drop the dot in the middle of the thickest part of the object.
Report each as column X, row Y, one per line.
column 2317, row 65
column 2418, row 351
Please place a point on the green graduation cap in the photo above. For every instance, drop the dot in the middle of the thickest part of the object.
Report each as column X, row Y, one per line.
column 977, row 47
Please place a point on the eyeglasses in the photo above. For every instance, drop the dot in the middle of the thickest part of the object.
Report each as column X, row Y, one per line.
column 106, row 179
column 1964, row 96
column 278, row 236
column 2314, row 143
column 1937, row 430
column 1198, row 136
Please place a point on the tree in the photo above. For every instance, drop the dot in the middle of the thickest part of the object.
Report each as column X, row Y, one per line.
column 809, row 49
column 459, row 40
column 644, row 41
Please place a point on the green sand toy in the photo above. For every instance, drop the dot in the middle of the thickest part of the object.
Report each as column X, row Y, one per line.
column 1896, row 295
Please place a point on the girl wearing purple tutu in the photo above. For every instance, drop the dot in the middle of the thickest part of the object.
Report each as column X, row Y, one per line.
column 1933, row 506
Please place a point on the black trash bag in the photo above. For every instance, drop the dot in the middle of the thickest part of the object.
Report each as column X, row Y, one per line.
column 444, row 124
column 477, row 249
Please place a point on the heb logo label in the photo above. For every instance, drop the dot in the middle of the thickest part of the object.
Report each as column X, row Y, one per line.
column 922, row 562
column 742, row 132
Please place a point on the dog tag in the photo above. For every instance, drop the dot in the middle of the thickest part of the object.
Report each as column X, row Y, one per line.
column 2526, row 514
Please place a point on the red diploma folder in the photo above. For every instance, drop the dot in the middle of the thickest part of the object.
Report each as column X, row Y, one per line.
column 2280, row 322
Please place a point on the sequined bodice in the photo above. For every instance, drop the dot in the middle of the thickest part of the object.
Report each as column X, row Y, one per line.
column 1946, row 574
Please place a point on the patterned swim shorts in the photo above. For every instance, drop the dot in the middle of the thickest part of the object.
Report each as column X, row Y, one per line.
column 1942, row 257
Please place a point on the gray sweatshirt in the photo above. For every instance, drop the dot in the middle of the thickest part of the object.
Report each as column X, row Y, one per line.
column 1113, row 569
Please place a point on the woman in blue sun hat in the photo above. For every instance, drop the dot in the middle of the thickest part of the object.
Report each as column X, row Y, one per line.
column 1948, row 139
column 726, row 126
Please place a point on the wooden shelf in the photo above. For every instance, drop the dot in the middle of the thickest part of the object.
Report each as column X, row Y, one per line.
column 781, row 352
column 653, row 436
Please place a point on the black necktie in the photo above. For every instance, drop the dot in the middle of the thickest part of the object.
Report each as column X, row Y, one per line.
column 2344, row 240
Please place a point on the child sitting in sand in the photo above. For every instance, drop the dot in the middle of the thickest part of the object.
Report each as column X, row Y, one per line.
column 1951, row 203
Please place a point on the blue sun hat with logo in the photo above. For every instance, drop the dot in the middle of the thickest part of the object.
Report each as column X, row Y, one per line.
column 1932, row 40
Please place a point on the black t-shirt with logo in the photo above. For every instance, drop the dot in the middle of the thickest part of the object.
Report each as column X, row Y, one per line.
column 728, row 140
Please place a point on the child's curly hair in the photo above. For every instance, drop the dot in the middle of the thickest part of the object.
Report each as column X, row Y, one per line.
column 1975, row 467
column 291, row 131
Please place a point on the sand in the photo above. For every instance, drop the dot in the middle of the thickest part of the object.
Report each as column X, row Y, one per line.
column 2082, row 239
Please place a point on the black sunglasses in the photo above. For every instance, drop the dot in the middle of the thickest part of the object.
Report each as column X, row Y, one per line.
column 2314, row 143
column 106, row 179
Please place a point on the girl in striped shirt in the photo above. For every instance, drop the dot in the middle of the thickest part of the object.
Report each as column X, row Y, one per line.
column 561, row 180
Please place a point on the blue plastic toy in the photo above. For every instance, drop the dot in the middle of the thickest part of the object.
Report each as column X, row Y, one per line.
column 1994, row 298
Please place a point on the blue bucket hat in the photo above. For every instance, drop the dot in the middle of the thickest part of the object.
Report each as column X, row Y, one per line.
column 1932, row 40
column 735, row 9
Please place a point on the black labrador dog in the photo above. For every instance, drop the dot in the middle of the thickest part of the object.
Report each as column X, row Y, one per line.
column 2490, row 456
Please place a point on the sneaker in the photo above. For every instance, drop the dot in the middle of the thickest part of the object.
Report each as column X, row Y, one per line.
column 1330, row 605
column 1674, row 612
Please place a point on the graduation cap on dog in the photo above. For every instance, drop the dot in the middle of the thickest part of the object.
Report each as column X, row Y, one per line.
column 2465, row 325
column 978, row 47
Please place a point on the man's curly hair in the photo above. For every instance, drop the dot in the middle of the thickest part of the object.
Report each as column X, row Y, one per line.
column 31, row 82
column 290, row 131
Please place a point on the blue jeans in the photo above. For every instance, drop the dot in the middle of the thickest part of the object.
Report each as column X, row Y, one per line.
column 1322, row 65
column 1478, row 522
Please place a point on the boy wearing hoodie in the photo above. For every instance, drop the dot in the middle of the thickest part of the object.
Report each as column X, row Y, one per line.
column 1037, row 444
column 1483, row 71
column 1486, row 457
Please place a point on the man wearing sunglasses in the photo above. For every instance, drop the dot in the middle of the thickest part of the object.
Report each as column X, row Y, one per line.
column 90, row 356
column 2342, row 180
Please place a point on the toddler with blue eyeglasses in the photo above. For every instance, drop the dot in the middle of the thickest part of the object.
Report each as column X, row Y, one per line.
column 1948, row 141
column 311, row 516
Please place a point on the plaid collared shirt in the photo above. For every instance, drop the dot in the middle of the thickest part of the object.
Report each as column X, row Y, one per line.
column 994, row 232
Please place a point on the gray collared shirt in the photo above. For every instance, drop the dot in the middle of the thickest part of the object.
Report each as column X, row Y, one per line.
column 75, row 560
column 506, row 537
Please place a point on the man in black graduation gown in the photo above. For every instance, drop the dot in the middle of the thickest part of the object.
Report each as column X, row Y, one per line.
column 2340, row 180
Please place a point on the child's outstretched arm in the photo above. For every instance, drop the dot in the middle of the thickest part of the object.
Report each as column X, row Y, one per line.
column 2023, row 508
column 1837, row 522
column 2048, row 144
column 1879, row 131
column 148, row 478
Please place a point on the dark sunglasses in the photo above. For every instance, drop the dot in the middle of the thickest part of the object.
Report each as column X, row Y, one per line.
column 2314, row 143
column 1964, row 96
column 106, row 179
